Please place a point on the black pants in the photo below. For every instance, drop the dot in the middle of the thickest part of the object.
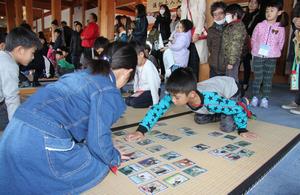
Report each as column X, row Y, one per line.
column 87, row 53
column 247, row 68
column 142, row 101
column 3, row 116
column 76, row 61
column 159, row 56
column 194, row 60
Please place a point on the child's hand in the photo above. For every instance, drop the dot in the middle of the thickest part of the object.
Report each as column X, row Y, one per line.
column 124, row 156
column 229, row 67
column 249, row 135
column 135, row 136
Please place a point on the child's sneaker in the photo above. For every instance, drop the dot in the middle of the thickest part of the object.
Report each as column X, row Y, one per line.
column 264, row 103
column 254, row 102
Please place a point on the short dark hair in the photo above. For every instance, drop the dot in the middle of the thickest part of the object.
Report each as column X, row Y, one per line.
column 121, row 55
column 101, row 42
column 78, row 23
column 141, row 10
column 54, row 22
column 26, row 25
column 59, row 53
column 217, row 5
column 283, row 19
column 63, row 23
column 182, row 80
column 57, row 31
column 187, row 24
column 65, row 49
column 94, row 16
column 235, row 9
column 20, row 36
column 2, row 37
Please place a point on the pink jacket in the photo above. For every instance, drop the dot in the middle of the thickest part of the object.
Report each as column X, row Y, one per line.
column 271, row 34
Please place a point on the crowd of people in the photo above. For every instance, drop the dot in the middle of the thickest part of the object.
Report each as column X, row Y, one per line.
column 69, row 121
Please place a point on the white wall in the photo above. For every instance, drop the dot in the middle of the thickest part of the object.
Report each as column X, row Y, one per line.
column 77, row 14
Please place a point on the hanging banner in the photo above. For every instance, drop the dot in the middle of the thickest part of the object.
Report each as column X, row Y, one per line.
column 153, row 5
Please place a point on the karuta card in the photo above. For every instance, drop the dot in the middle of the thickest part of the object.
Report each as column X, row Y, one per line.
column 232, row 156
column 183, row 163
column 230, row 137
column 184, row 129
column 134, row 155
column 141, row 177
column 149, row 162
column 190, row 133
column 159, row 124
column 154, row 132
column 156, row 148
column 129, row 169
column 170, row 155
column 168, row 137
column 245, row 152
column 162, row 170
column 145, row 142
column 215, row 134
column 242, row 143
column 219, row 152
column 176, row 179
column 230, row 147
column 119, row 133
column 153, row 187
column 194, row 171
column 201, row 147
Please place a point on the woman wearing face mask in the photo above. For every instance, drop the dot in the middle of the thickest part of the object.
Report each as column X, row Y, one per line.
column 251, row 19
column 233, row 39
column 214, row 40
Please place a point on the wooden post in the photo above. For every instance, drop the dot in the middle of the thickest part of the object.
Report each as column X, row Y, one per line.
column 10, row 14
column 19, row 12
column 111, row 19
column 29, row 12
column 102, row 12
column 36, row 26
column 71, row 16
column 83, row 5
column 43, row 20
column 56, row 10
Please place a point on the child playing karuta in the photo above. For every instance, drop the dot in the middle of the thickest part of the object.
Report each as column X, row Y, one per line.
column 267, row 42
column 204, row 98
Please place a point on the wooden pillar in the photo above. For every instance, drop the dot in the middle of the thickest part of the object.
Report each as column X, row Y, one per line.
column 83, row 5
column 43, row 20
column 71, row 17
column 36, row 26
column 56, row 10
column 29, row 12
column 10, row 14
column 106, row 11
column 19, row 12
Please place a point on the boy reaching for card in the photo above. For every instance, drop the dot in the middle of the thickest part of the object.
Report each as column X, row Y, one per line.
column 206, row 98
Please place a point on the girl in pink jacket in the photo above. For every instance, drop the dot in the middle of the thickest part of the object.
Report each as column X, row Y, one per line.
column 267, row 42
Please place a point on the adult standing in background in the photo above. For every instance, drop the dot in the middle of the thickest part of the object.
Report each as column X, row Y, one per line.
column 141, row 24
column 75, row 45
column 67, row 33
column 175, row 19
column 294, row 106
column 251, row 19
column 194, row 10
column 89, row 35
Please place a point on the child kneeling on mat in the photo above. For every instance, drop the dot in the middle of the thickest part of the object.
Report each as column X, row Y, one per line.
column 208, row 97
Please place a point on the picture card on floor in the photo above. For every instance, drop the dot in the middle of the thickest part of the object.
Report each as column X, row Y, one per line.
column 134, row 155
column 162, row 170
column 184, row 129
column 176, row 179
column 120, row 133
column 215, row 134
column 242, row 143
column 194, row 171
column 201, row 147
column 129, row 169
column 145, row 142
column 156, row 148
column 141, row 177
column 159, row 124
column 183, row 163
column 170, row 155
column 245, row 152
column 232, row 156
column 219, row 152
column 149, row 162
column 230, row 147
column 153, row 187
column 154, row 132
column 168, row 137
column 230, row 137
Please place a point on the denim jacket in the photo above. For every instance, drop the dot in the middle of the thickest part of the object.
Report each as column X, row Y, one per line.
column 68, row 123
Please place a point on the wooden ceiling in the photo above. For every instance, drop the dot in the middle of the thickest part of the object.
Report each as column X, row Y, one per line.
column 40, row 5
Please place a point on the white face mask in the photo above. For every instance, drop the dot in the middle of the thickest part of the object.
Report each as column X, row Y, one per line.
column 228, row 18
column 162, row 11
column 220, row 22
